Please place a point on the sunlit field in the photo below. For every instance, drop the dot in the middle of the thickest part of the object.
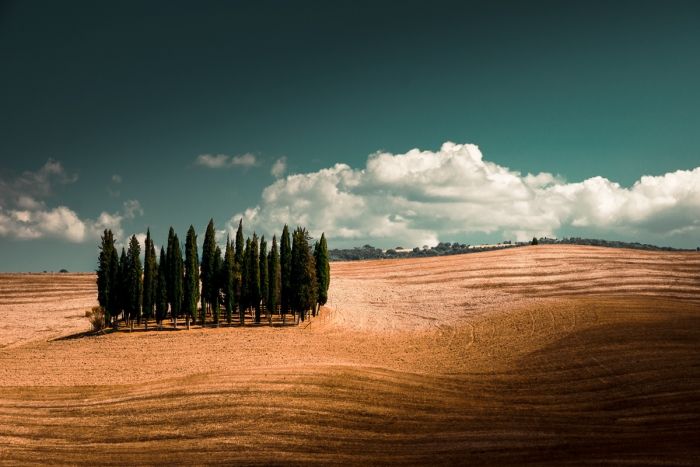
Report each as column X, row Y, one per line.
column 543, row 354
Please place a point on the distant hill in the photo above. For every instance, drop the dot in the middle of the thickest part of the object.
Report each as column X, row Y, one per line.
column 447, row 248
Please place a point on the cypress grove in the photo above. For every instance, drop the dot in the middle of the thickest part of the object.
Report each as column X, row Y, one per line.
column 246, row 277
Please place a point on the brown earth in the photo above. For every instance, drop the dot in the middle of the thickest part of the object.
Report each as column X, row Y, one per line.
column 541, row 355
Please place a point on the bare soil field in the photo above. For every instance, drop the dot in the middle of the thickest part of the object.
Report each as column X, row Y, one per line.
column 537, row 355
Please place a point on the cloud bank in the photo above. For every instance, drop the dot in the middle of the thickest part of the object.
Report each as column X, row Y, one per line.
column 422, row 197
column 25, row 215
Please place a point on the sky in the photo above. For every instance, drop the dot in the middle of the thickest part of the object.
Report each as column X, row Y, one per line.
column 389, row 123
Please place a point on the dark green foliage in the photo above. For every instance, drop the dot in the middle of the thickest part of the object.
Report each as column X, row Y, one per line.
column 246, row 277
column 240, row 243
column 263, row 272
column 107, row 274
column 114, row 300
column 171, row 264
column 216, row 282
column 534, row 241
column 229, row 280
column 238, row 260
column 134, row 285
column 150, row 277
column 323, row 269
column 253, row 277
column 175, row 277
column 191, row 293
column 207, row 267
column 274, row 279
column 123, row 284
column 162, row 288
column 245, row 301
column 286, row 270
column 303, row 277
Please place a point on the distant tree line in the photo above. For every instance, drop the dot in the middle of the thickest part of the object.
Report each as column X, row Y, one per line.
column 292, row 278
column 441, row 249
column 447, row 248
column 606, row 243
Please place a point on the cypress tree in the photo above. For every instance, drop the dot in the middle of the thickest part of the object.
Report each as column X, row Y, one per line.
column 176, row 267
column 114, row 299
column 216, row 282
column 170, row 262
column 244, row 302
column 150, row 278
column 303, row 276
column 323, row 270
column 229, row 280
column 254, row 277
column 207, row 267
column 262, row 266
column 285, row 270
column 238, row 261
column 106, row 288
column 273, row 262
column 162, row 289
column 122, row 290
column 134, row 284
column 191, row 293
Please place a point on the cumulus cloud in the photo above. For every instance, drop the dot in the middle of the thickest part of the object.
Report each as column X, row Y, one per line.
column 222, row 161
column 421, row 197
column 25, row 215
column 279, row 167
column 63, row 223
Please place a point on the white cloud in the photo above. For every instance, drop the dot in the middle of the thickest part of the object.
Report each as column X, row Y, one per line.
column 132, row 208
column 116, row 178
column 60, row 222
column 24, row 215
column 212, row 161
column 38, row 184
column 421, row 197
column 221, row 161
column 27, row 202
column 244, row 160
column 279, row 167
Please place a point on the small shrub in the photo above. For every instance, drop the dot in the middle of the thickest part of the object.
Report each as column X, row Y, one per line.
column 96, row 317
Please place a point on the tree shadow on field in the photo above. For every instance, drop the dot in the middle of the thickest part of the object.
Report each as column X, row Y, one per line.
column 170, row 328
column 82, row 334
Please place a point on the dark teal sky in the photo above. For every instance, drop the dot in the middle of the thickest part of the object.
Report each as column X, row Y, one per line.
column 573, row 88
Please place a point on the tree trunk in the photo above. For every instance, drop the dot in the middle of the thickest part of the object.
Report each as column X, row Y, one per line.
column 145, row 322
column 188, row 322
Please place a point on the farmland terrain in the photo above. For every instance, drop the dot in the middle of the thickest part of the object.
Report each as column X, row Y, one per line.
column 549, row 354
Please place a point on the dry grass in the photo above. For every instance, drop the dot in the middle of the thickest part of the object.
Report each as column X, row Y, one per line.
column 549, row 354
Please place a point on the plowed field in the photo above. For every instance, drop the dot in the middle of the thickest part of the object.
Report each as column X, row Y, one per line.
column 545, row 355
